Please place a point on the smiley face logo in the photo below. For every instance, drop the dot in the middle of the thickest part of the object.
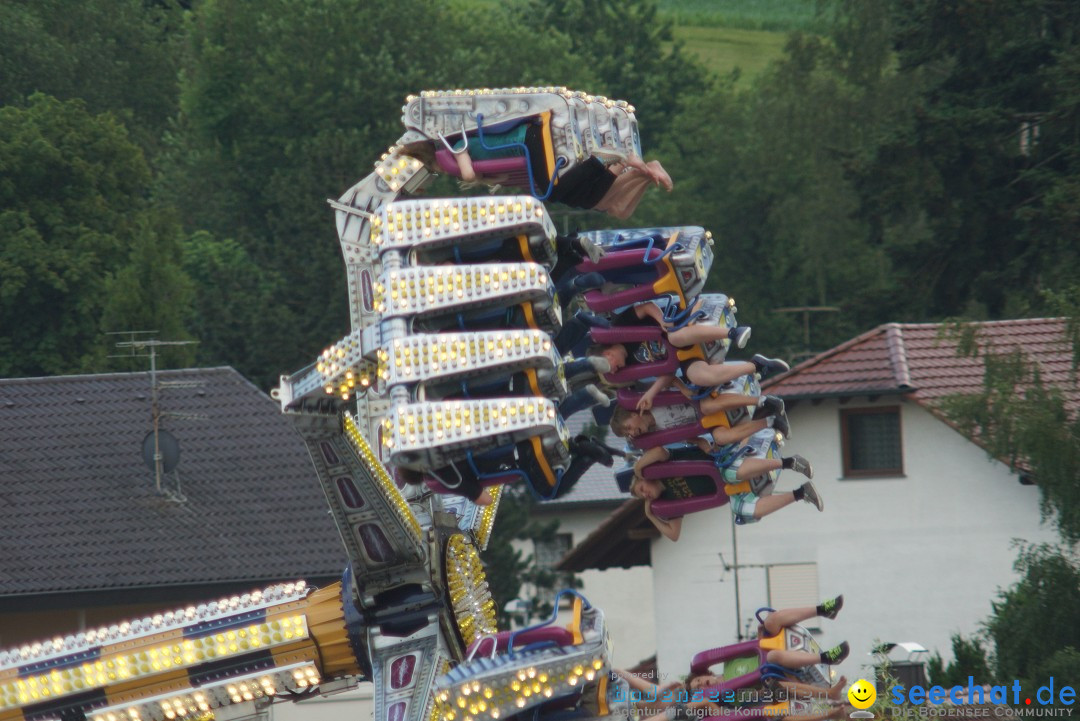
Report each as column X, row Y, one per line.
column 862, row 694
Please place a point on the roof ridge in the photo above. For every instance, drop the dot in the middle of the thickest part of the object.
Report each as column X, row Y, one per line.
column 825, row 355
column 115, row 374
column 894, row 339
column 1004, row 321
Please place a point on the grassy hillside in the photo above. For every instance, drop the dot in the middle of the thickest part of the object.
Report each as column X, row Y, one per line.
column 722, row 49
column 747, row 34
column 773, row 15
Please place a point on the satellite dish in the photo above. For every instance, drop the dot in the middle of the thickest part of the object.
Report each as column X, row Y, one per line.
column 168, row 446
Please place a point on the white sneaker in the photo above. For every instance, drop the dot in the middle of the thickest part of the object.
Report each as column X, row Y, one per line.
column 598, row 395
column 810, row 495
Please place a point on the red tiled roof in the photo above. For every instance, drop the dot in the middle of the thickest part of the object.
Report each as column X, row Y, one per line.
column 921, row 359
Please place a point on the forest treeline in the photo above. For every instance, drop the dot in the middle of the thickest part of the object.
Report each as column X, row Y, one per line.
column 164, row 165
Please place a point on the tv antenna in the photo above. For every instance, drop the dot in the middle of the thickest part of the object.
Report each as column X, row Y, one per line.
column 160, row 449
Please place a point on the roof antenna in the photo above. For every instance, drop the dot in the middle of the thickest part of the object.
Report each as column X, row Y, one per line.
column 806, row 310
column 160, row 449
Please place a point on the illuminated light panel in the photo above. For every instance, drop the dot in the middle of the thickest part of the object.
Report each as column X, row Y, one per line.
column 470, row 597
column 421, row 427
column 487, row 517
column 507, row 691
column 343, row 370
column 397, row 170
column 558, row 89
column 161, row 658
column 423, row 357
column 58, row 648
column 408, row 223
column 199, row 703
column 413, row 291
column 386, row 484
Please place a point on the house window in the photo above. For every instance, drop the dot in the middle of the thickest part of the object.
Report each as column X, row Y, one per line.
column 549, row 553
column 793, row 585
column 871, row 442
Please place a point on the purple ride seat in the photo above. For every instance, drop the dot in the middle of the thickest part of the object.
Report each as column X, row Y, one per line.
column 516, row 169
column 706, row 659
column 545, row 634
column 637, row 334
column 666, row 282
column 628, row 399
column 676, row 508
column 436, row 486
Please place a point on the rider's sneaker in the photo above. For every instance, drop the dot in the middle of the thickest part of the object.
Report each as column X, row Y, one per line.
column 766, row 366
column 780, row 423
column 770, row 406
column 801, row 465
column 810, row 495
column 591, row 249
column 739, row 336
column 836, row 654
column 600, row 364
column 591, row 448
column 598, row 395
column 830, row 607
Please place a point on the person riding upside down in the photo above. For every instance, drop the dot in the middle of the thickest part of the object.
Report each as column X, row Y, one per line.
column 699, row 695
column 746, row 507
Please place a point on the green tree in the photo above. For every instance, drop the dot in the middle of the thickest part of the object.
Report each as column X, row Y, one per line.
column 1033, row 625
column 231, row 298
column 121, row 56
column 973, row 188
column 77, row 233
column 512, row 574
column 285, row 104
column 1031, row 429
column 768, row 169
column 969, row 661
column 630, row 50
column 1025, row 422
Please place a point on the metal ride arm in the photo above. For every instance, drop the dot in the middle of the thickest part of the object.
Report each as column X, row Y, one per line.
column 441, row 292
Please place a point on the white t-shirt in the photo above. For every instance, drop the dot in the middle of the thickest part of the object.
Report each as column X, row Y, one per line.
column 674, row 416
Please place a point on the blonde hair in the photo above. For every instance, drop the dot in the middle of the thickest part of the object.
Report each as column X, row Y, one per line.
column 618, row 421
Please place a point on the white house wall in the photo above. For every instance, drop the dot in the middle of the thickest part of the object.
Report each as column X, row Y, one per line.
column 626, row 595
column 917, row 558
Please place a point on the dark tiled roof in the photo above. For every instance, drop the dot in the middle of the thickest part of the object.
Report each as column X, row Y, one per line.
column 922, row 359
column 78, row 506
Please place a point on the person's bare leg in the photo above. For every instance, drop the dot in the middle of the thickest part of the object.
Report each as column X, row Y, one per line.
column 800, row 690
column 726, row 402
column 788, row 617
column 625, row 193
column 465, row 166
column 754, row 467
column 772, row 504
column 649, row 310
column 739, row 432
column 705, row 374
column 793, row 659
column 697, row 333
